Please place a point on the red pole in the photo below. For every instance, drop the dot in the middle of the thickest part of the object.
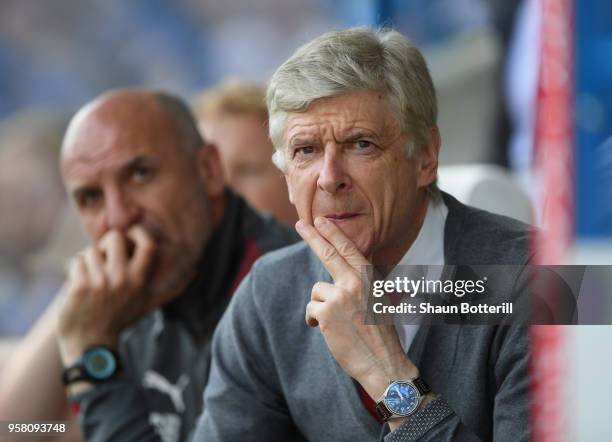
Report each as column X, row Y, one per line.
column 555, row 186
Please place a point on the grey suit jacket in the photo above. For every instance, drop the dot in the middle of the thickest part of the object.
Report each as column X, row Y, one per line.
column 273, row 378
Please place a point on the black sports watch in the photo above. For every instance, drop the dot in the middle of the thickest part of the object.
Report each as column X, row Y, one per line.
column 98, row 364
column 401, row 398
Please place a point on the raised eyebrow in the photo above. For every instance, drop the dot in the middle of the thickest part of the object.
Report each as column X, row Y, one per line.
column 356, row 137
column 137, row 161
column 80, row 191
column 301, row 142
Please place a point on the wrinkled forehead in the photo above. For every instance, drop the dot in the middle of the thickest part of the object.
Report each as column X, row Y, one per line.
column 359, row 111
column 126, row 121
column 96, row 146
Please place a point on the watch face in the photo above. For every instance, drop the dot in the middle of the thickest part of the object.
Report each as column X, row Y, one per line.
column 402, row 398
column 99, row 363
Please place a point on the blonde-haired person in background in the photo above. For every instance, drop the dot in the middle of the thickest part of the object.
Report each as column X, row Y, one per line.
column 234, row 116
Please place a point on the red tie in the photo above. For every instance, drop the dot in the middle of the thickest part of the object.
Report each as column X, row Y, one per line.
column 368, row 402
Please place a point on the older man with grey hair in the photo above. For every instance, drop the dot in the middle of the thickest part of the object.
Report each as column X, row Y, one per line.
column 353, row 120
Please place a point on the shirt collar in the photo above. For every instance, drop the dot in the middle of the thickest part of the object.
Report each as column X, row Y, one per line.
column 428, row 247
column 426, row 251
column 203, row 302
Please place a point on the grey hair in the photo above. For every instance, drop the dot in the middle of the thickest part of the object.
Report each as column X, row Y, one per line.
column 350, row 60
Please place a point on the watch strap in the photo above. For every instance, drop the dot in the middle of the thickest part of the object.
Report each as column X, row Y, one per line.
column 383, row 412
column 74, row 373
column 78, row 371
column 421, row 386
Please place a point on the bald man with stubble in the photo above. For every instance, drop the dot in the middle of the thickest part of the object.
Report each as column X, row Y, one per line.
column 169, row 245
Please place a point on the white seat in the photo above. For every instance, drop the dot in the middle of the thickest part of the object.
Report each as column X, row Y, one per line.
column 487, row 187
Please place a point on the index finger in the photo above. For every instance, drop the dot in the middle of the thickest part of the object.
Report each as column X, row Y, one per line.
column 327, row 253
column 114, row 246
column 345, row 247
column 144, row 251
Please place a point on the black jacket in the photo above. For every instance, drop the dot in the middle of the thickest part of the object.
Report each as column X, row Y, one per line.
column 166, row 356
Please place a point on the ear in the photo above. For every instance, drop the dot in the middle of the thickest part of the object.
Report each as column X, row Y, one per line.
column 210, row 169
column 289, row 189
column 428, row 158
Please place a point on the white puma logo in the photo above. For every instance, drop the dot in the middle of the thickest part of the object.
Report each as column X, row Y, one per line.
column 158, row 382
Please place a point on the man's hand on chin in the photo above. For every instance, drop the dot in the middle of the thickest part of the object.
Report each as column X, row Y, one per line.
column 104, row 293
column 370, row 354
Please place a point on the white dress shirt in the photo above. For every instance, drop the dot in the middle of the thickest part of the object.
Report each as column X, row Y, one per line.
column 428, row 250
